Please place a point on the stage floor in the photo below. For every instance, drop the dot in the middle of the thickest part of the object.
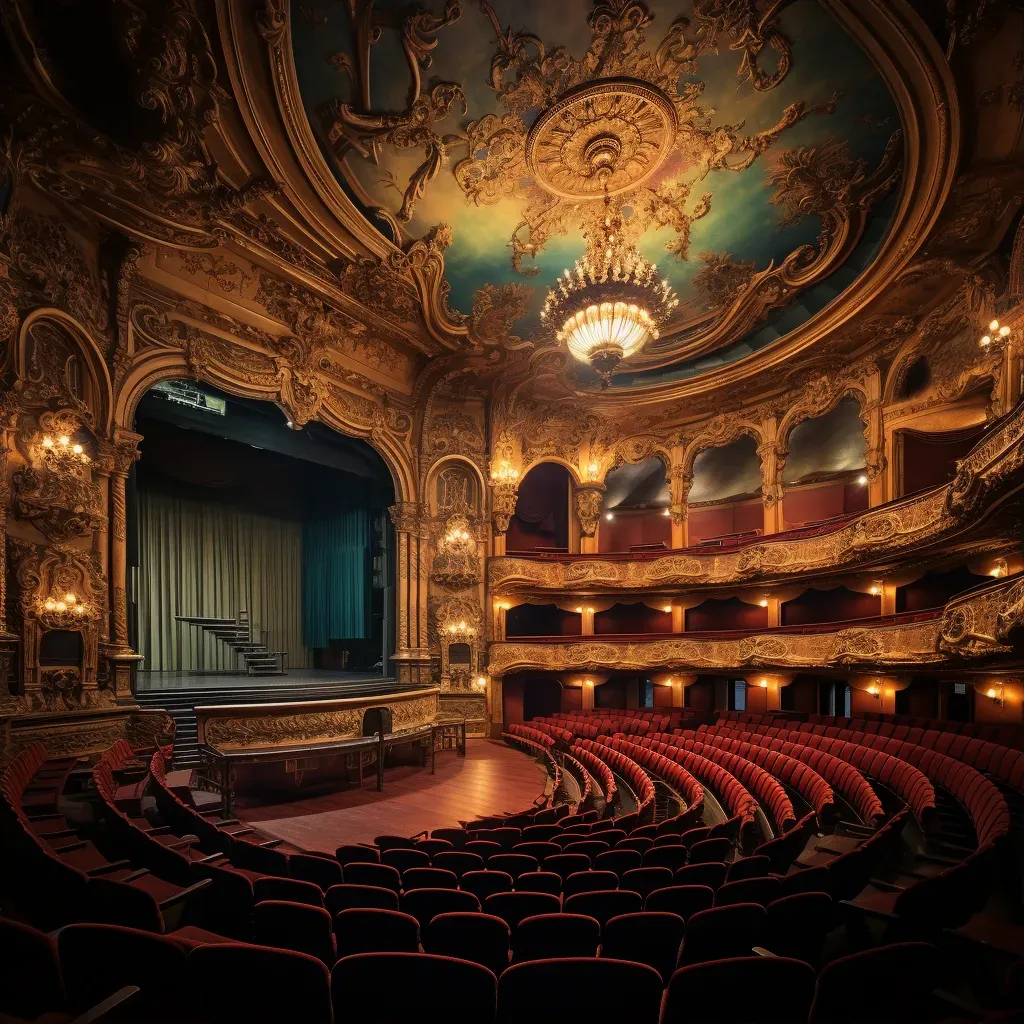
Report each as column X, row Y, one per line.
column 299, row 677
column 491, row 778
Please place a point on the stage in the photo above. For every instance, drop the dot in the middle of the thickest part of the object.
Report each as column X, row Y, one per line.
column 348, row 684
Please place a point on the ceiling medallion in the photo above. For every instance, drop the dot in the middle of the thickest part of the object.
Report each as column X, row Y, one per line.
column 602, row 137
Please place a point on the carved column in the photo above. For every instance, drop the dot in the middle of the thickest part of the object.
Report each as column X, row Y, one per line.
column 588, row 514
column 874, row 438
column 773, row 459
column 412, row 657
column 679, row 483
column 504, row 494
column 118, row 458
column 8, row 640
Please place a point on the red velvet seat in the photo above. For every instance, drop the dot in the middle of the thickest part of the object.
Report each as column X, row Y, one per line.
column 363, row 930
column 291, row 890
column 540, row 833
column 350, row 896
column 544, row 936
column 589, row 881
column 768, row 990
column 749, row 867
column 618, row 860
column 514, row 864
column 798, row 926
column 384, row 876
column 401, row 860
column 848, row 989
column 428, row 878
column 695, row 835
column 566, row 864
column 805, row 880
column 487, row 882
column 684, row 900
column 423, row 904
column 749, row 890
column 322, row 871
column 669, row 839
column 723, row 932
column 648, row 937
column 354, row 854
column 512, row 907
column 638, row 844
column 458, row 861
column 538, row 850
column 539, row 881
column 646, row 879
column 30, row 976
column 486, row 849
column 710, row 851
column 588, row 847
column 603, row 906
column 671, row 857
column 482, row 938
column 272, row 985
column 585, row 989
column 295, row 926
column 387, row 842
column 458, row 837
column 432, row 847
column 711, row 874
column 382, row 988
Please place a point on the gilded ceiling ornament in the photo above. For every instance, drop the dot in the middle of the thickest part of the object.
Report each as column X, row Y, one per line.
column 721, row 279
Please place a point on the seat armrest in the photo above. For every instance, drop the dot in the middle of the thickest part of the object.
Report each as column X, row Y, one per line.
column 135, row 875
column 271, row 843
column 160, row 830
column 44, row 817
column 761, row 951
column 185, row 893
column 879, row 883
column 71, row 847
column 105, row 869
column 108, row 1009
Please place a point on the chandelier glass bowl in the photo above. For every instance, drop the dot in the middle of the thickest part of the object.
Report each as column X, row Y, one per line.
column 611, row 303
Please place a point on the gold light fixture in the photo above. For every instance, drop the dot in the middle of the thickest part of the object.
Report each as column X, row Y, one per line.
column 63, row 610
column 875, row 691
column 62, row 452
column 613, row 301
column 504, row 474
column 995, row 694
column 996, row 332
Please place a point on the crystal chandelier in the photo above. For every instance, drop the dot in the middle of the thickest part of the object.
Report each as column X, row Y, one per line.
column 611, row 303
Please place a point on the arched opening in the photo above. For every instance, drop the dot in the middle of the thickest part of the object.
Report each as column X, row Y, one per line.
column 529, row 696
column 636, row 617
column 837, row 604
column 724, row 500
column 542, row 620
column 634, row 509
column 541, row 519
column 935, row 588
column 927, row 459
column 282, row 534
column 824, row 472
column 716, row 614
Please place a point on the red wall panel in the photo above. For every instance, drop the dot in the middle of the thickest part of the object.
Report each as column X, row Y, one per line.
column 632, row 618
column 709, row 521
column 629, row 529
column 731, row 614
column 812, row 503
column 834, row 605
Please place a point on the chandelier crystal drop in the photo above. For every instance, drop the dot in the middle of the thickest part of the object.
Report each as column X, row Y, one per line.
column 611, row 303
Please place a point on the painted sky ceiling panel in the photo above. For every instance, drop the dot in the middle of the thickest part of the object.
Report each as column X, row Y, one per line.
column 759, row 172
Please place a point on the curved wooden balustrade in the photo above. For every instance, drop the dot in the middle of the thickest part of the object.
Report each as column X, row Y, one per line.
column 987, row 477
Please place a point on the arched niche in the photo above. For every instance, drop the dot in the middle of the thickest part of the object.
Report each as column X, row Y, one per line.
column 527, row 696
column 541, row 519
column 823, row 475
column 724, row 498
column 524, row 620
column 454, row 487
column 635, row 507
column 633, row 617
column 716, row 614
column 835, row 604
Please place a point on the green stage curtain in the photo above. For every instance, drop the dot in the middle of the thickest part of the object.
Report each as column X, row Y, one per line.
column 336, row 578
column 203, row 558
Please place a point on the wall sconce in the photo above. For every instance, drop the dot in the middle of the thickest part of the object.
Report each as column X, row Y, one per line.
column 667, row 608
column 995, row 694
column 666, row 512
column 999, row 569
column 61, row 451
column 763, row 684
column 63, row 610
column 876, row 589
column 862, row 480
column 763, row 602
column 480, row 682
column 875, row 691
column 579, row 611
column 592, row 470
column 590, row 611
column 505, row 474
column 995, row 331
column 608, row 516
column 588, row 682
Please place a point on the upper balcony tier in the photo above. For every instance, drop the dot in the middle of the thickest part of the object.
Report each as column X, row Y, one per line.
column 947, row 515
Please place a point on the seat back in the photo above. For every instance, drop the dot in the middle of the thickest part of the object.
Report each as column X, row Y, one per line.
column 604, row 905
column 710, row 850
column 387, row 987
column 539, row 881
column 487, row 882
column 513, row 907
column 648, row 937
column 798, row 925
column 544, row 936
column 482, row 938
column 684, row 900
column 712, row 874
column 458, row 861
column 423, row 904
column 428, row 878
column 349, row 896
column 722, row 933
column 385, row 876
column 289, row 890
column 645, row 880
column 749, row 890
column 364, row 930
column 322, row 871
column 30, row 975
column 514, row 864
column 294, row 926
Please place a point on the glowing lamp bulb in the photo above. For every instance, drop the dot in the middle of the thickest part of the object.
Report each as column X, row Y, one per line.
column 667, row 608
column 608, row 516
column 994, row 326
column 77, row 449
column 991, row 692
column 763, row 602
column 579, row 611
column 763, row 684
column 875, row 591
column 79, row 610
column 47, row 442
column 1004, row 331
column 986, row 340
column 667, row 512
column 50, row 604
column 64, row 441
column 70, row 598
column 862, row 479
column 61, row 606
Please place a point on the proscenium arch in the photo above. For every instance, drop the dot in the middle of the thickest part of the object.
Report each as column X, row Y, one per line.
column 171, row 365
column 100, row 386
column 574, row 471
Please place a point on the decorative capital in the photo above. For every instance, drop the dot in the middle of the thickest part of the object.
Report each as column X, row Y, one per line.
column 504, row 495
column 406, row 515
column 588, row 508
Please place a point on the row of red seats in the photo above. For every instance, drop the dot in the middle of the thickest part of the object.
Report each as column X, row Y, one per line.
column 1006, row 734
column 764, row 786
column 733, row 795
column 598, row 769
column 626, row 768
column 675, row 775
column 657, row 719
column 909, row 783
column 838, row 772
column 166, row 983
column 582, row 776
column 527, row 732
column 590, row 727
column 1005, row 763
column 981, row 800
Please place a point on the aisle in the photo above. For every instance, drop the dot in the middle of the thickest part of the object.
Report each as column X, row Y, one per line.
column 491, row 777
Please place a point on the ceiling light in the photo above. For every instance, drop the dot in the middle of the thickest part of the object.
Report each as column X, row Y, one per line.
column 579, row 611
column 862, row 479
column 875, row 591
column 608, row 515
column 667, row 608
column 667, row 512
column 763, row 602
column 612, row 302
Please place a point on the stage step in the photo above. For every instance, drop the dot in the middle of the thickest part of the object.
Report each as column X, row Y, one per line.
column 181, row 703
column 237, row 634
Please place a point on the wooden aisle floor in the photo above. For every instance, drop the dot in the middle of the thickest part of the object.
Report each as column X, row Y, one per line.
column 490, row 778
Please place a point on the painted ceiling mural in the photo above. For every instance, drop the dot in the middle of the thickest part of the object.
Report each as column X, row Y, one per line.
column 754, row 147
